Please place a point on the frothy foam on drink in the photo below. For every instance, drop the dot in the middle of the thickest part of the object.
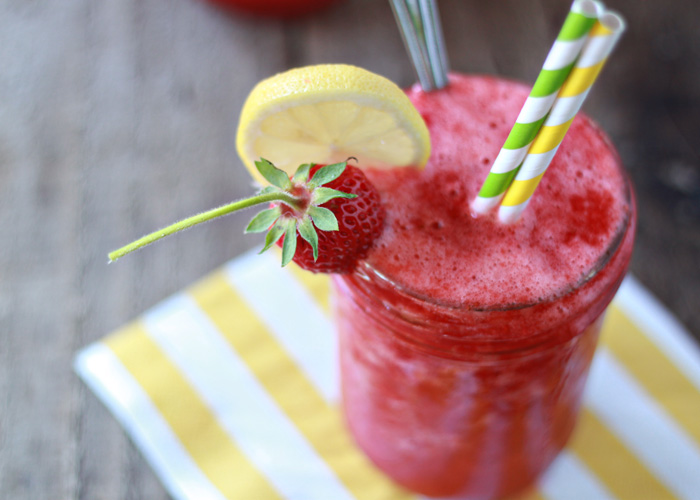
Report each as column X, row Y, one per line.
column 435, row 247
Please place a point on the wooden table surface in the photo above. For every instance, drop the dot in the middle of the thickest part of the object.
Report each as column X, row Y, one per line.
column 118, row 117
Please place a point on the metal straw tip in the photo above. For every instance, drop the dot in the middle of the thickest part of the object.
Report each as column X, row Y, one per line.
column 419, row 23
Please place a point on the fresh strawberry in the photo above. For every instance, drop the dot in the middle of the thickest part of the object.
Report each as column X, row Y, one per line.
column 360, row 222
column 336, row 199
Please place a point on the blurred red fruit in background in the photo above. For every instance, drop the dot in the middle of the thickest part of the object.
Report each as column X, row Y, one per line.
column 275, row 8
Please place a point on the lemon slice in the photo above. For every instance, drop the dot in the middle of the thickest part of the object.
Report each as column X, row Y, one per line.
column 327, row 113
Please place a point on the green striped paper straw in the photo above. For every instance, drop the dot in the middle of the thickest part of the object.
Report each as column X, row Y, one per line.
column 556, row 68
column 599, row 44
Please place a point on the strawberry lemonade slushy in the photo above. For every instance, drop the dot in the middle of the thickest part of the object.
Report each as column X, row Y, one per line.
column 465, row 343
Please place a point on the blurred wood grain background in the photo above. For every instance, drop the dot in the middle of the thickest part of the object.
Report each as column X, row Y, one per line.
column 118, row 117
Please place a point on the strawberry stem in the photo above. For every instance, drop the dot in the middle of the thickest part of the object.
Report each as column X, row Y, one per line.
column 268, row 197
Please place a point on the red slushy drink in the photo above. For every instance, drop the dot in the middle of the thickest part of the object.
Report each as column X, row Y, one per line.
column 465, row 343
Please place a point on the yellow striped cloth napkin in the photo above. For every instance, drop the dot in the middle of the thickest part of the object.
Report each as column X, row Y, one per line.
column 230, row 394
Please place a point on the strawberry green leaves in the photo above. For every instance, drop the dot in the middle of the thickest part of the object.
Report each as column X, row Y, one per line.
column 321, row 195
column 273, row 175
column 305, row 215
column 298, row 194
column 289, row 247
column 326, row 174
column 263, row 220
column 308, row 232
column 274, row 234
column 302, row 173
column 323, row 218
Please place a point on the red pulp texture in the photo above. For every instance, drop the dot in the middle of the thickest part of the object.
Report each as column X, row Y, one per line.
column 465, row 344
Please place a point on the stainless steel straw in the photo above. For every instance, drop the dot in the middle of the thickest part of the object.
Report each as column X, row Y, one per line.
column 421, row 31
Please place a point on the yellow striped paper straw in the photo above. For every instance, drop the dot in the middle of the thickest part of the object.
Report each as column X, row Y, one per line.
column 556, row 68
column 601, row 41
